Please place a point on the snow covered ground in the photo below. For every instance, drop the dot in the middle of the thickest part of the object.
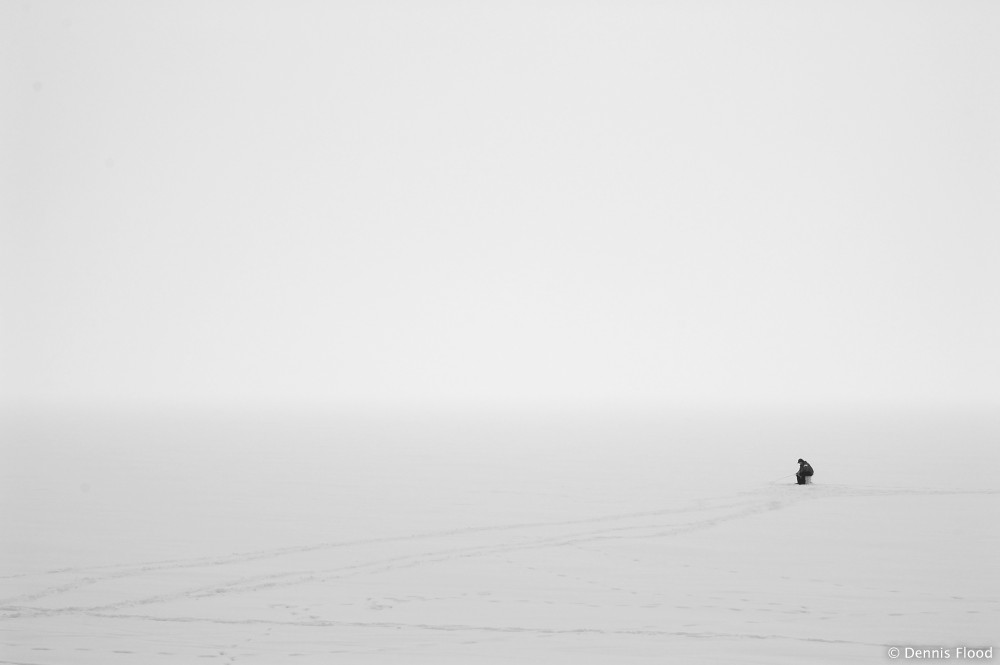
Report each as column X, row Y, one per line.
column 496, row 539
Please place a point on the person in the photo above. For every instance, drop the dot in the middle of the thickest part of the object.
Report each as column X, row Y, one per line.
column 805, row 471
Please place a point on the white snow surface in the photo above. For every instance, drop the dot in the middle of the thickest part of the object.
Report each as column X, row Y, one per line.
column 572, row 539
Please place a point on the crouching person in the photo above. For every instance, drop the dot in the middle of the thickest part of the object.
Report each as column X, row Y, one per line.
column 805, row 473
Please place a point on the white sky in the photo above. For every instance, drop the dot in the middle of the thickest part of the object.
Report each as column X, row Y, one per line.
column 500, row 202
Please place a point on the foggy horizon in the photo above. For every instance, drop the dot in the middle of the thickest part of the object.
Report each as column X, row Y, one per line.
column 539, row 206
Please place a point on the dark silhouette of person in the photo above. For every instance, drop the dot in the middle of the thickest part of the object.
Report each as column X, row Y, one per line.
column 805, row 471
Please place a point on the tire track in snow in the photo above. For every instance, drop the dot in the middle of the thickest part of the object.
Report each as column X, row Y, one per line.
column 392, row 625
column 17, row 605
column 118, row 571
column 255, row 583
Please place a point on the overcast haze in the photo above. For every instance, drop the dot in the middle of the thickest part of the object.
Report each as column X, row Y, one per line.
column 445, row 203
